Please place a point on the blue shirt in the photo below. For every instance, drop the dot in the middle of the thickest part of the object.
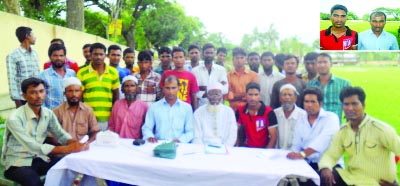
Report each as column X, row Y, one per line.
column 317, row 136
column 122, row 72
column 55, row 86
column 170, row 122
column 367, row 40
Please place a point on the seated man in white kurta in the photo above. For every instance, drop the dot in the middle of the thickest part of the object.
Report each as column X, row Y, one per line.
column 215, row 123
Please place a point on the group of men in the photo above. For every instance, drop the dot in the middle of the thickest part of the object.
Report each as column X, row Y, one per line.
column 267, row 109
column 341, row 37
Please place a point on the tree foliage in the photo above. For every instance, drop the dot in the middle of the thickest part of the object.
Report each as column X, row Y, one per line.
column 324, row 16
column 44, row 10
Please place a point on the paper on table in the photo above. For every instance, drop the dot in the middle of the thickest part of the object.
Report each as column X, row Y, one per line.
column 269, row 155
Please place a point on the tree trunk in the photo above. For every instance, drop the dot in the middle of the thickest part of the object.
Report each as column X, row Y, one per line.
column 75, row 15
column 12, row 6
column 129, row 36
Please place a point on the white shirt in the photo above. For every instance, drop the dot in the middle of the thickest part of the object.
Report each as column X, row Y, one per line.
column 318, row 136
column 218, row 74
column 286, row 126
column 266, row 84
column 219, row 127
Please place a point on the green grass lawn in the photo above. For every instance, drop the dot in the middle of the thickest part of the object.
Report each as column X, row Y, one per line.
column 381, row 85
column 360, row 26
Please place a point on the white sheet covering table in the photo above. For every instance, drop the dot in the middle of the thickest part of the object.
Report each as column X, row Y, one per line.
column 137, row 165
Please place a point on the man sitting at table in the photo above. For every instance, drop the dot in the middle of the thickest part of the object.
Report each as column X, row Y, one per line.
column 127, row 115
column 257, row 122
column 313, row 132
column 76, row 117
column 369, row 143
column 214, row 123
column 287, row 114
column 24, row 154
column 170, row 118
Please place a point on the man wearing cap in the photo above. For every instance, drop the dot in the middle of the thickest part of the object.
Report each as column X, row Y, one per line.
column 287, row 114
column 214, row 123
column 76, row 117
column 54, row 76
column 313, row 132
column 127, row 115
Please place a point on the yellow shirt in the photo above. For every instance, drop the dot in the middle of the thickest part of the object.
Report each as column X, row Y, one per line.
column 370, row 152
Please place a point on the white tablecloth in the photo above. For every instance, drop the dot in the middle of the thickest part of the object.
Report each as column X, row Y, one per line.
column 137, row 165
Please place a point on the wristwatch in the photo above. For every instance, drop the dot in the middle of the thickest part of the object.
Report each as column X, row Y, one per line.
column 303, row 154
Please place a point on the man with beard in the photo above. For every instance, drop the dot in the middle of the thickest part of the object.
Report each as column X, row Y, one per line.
column 257, row 122
column 170, row 118
column 287, row 115
column 290, row 64
column 25, row 156
column 76, row 117
column 268, row 77
column 54, row 76
column 338, row 36
column 376, row 38
column 208, row 72
column 127, row 115
column 86, row 54
column 22, row 63
column 254, row 61
column 101, row 85
column 329, row 84
column 164, row 53
column 313, row 132
column 69, row 63
column 214, row 123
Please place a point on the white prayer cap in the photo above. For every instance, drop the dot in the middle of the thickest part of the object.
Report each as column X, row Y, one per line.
column 71, row 81
column 215, row 85
column 289, row 86
column 130, row 77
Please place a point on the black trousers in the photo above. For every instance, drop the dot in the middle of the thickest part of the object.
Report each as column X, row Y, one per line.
column 30, row 175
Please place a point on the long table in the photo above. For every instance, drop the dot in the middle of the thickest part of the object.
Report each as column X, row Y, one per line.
column 192, row 166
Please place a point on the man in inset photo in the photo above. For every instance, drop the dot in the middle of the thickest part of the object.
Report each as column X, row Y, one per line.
column 376, row 38
column 338, row 36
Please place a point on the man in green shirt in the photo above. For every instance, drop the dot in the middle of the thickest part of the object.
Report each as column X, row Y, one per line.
column 369, row 143
column 329, row 84
column 24, row 155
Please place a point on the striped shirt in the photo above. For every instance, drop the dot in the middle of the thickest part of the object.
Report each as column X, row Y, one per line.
column 98, row 90
column 55, row 86
column 370, row 150
column 331, row 93
column 24, row 136
column 149, row 89
column 21, row 65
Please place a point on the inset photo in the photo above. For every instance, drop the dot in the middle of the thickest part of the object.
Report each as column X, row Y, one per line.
column 359, row 25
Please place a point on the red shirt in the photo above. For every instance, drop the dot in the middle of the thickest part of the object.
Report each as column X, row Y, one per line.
column 187, row 81
column 68, row 64
column 328, row 41
column 256, row 127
